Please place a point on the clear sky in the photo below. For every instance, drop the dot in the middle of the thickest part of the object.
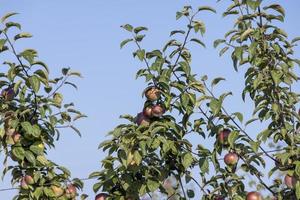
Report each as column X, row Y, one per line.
column 85, row 35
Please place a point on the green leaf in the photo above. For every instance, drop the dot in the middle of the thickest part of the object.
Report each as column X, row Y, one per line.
column 204, row 165
column 233, row 136
column 140, row 54
column 218, row 41
column 137, row 157
column 152, row 185
column 298, row 189
column 215, row 106
column 177, row 31
column 217, row 80
column 38, row 192
column 139, row 29
column 296, row 39
column 42, row 159
column 7, row 16
column 124, row 42
column 22, row 35
column 76, row 130
column 199, row 25
column 198, row 41
column 187, row 160
column 18, row 152
column 207, row 8
column 35, row 83
column 276, row 76
column 250, row 121
column 127, row 27
column 27, row 127
column 96, row 187
column 246, row 34
column 239, row 116
column 277, row 8
column 223, row 51
column 30, row 157
column 13, row 24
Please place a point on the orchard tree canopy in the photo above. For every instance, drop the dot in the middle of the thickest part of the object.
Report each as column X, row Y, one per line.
column 184, row 142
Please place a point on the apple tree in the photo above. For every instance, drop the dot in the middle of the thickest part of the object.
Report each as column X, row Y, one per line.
column 154, row 145
column 33, row 111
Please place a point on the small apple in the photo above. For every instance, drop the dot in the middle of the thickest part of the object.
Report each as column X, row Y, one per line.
column 152, row 93
column 8, row 94
column 223, row 136
column 71, row 191
column 147, row 111
column 158, row 110
column 254, row 196
column 16, row 137
column 58, row 191
column 101, row 196
column 231, row 159
column 218, row 197
column 24, row 184
column 290, row 181
column 29, row 180
column 142, row 120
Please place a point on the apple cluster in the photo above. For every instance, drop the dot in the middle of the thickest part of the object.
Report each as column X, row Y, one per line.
column 151, row 110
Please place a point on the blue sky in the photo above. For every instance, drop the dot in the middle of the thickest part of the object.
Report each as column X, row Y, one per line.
column 85, row 35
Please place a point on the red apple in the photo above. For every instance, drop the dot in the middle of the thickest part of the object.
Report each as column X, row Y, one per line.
column 158, row 110
column 223, row 136
column 218, row 197
column 8, row 94
column 141, row 119
column 58, row 191
column 254, row 196
column 231, row 158
column 71, row 191
column 152, row 93
column 29, row 180
column 24, row 184
column 290, row 181
column 148, row 111
column 16, row 137
column 101, row 196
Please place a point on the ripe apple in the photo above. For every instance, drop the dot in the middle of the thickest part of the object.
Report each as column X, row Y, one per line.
column 16, row 137
column 29, row 180
column 254, row 196
column 8, row 94
column 231, row 158
column 24, row 184
column 147, row 111
column 223, row 136
column 58, row 191
column 158, row 110
column 218, row 197
column 142, row 120
column 152, row 93
column 71, row 191
column 290, row 181
column 101, row 196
